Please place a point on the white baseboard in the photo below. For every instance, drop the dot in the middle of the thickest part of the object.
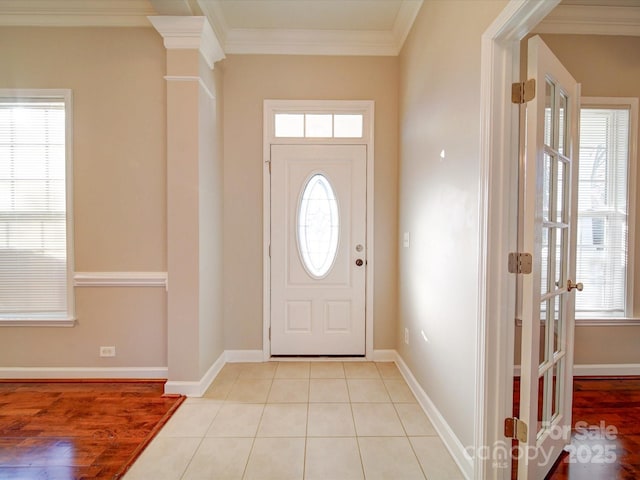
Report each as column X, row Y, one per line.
column 599, row 370
column 196, row 388
column 384, row 355
column 607, row 370
column 448, row 437
column 48, row 373
column 249, row 356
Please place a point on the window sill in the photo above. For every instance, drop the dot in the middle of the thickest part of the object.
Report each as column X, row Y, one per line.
column 608, row 322
column 38, row 322
column 599, row 322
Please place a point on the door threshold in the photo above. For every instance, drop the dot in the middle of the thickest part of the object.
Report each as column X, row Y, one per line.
column 318, row 358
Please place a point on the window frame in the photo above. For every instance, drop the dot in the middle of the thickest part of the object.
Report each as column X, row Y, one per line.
column 271, row 108
column 66, row 96
column 630, row 104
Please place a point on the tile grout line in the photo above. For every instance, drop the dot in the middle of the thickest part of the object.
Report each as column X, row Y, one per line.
column 186, row 468
column 255, row 435
column 306, row 432
column 416, row 455
column 201, row 440
column 404, row 429
column 246, row 463
column 355, row 430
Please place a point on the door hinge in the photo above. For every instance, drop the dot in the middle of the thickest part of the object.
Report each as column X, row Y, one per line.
column 269, row 164
column 520, row 263
column 269, row 333
column 523, row 92
column 269, row 250
column 515, row 428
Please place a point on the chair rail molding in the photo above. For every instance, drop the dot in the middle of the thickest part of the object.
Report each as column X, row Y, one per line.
column 121, row 279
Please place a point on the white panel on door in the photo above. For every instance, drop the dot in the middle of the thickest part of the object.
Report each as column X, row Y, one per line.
column 298, row 317
column 337, row 316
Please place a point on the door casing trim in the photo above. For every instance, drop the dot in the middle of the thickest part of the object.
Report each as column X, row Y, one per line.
column 498, row 193
column 270, row 107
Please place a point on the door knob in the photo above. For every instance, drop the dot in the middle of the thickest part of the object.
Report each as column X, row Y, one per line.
column 570, row 286
column 359, row 262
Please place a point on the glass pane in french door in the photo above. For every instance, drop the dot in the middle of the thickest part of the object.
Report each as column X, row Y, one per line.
column 541, row 401
column 544, row 260
column 549, row 112
column 556, row 318
column 554, row 253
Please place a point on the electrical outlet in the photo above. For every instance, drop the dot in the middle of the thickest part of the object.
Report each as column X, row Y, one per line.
column 107, row 351
column 406, row 336
column 406, row 240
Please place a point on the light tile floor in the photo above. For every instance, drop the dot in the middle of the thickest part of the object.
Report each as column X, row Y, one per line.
column 299, row 420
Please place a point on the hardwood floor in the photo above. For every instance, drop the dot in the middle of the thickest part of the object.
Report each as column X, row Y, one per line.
column 78, row 430
column 605, row 440
column 606, row 444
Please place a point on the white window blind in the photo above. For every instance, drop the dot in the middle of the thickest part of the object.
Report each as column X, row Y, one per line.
column 34, row 249
column 603, row 212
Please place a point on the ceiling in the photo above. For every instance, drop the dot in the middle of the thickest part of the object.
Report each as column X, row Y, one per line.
column 339, row 27
column 602, row 3
column 323, row 27
column 593, row 17
column 342, row 27
column 356, row 15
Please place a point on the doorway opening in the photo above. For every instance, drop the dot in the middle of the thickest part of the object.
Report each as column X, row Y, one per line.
column 500, row 67
column 318, row 228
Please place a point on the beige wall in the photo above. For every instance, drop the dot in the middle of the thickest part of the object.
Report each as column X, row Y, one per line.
column 606, row 66
column 116, row 76
column 440, row 110
column 250, row 79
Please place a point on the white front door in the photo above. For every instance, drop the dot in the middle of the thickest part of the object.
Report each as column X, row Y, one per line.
column 318, row 249
column 548, row 300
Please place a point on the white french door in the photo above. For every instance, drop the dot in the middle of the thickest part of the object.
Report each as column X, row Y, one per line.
column 318, row 249
column 549, row 234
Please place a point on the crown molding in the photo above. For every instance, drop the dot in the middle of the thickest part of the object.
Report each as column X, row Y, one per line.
column 180, row 33
column 404, row 21
column 75, row 13
column 312, row 42
column 213, row 11
column 591, row 20
column 172, row 7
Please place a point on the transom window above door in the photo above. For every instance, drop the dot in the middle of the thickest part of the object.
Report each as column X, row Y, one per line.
column 316, row 122
column 318, row 125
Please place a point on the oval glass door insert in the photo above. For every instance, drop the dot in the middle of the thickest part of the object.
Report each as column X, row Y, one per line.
column 318, row 226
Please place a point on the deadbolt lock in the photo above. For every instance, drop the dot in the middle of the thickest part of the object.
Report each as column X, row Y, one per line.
column 570, row 286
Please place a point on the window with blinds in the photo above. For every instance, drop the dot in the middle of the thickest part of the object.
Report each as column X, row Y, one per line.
column 35, row 220
column 603, row 212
